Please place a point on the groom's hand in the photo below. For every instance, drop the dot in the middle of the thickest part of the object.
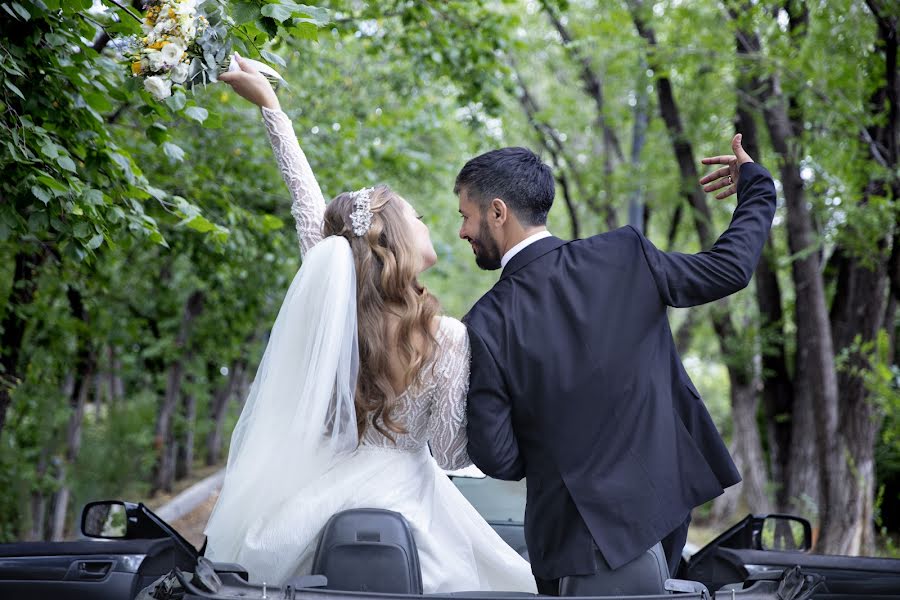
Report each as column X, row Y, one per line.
column 251, row 84
column 727, row 176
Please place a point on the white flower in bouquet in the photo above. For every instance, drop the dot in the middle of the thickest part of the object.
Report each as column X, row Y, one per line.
column 172, row 53
column 159, row 87
column 165, row 25
column 155, row 60
column 186, row 7
column 179, row 73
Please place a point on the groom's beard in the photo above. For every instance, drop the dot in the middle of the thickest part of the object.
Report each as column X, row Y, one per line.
column 487, row 251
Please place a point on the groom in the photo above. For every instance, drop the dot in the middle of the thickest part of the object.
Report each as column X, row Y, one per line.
column 575, row 381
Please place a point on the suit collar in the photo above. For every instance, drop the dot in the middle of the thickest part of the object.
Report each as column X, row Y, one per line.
column 531, row 253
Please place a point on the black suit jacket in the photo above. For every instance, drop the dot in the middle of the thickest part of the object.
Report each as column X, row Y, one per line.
column 577, row 386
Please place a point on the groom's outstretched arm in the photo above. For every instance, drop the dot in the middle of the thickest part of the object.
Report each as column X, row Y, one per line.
column 691, row 279
column 492, row 444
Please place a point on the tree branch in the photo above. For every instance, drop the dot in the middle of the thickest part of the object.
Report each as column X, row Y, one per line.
column 128, row 11
column 590, row 80
column 551, row 142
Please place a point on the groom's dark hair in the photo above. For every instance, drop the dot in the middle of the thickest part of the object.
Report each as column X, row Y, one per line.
column 515, row 175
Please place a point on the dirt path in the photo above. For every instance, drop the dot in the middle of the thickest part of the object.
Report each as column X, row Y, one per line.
column 192, row 524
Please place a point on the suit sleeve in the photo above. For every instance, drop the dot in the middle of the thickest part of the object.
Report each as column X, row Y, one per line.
column 492, row 442
column 691, row 279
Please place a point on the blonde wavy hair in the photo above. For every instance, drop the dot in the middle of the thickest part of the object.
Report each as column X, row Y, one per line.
column 387, row 264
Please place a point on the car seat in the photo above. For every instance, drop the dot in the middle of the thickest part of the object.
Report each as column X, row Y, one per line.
column 369, row 550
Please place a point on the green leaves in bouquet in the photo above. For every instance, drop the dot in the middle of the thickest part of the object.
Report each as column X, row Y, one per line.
column 213, row 45
column 248, row 26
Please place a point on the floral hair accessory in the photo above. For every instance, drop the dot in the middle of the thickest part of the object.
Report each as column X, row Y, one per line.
column 362, row 211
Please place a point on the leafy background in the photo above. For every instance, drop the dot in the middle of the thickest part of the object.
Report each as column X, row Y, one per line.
column 146, row 246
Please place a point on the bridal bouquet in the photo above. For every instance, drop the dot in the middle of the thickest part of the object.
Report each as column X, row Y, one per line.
column 168, row 53
column 184, row 41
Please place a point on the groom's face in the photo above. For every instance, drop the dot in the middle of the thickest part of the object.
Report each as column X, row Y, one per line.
column 475, row 230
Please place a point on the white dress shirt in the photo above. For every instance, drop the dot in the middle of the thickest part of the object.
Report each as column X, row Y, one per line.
column 522, row 245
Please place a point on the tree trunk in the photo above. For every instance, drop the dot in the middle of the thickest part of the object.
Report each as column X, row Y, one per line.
column 815, row 371
column 12, row 328
column 636, row 207
column 793, row 443
column 861, row 300
column 610, row 150
column 38, row 517
column 164, row 471
column 116, row 385
column 243, row 387
column 85, row 368
column 221, row 399
column 217, row 411
column 726, row 506
column 804, row 490
column 60, row 511
column 185, row 462
column 685, row 333
column 746, row 448
column 38, row 502
column 777, row 388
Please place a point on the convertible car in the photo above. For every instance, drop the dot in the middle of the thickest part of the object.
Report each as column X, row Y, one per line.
column 368, row 554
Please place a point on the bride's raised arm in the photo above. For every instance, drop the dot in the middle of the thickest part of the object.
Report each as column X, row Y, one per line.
column 308, row 204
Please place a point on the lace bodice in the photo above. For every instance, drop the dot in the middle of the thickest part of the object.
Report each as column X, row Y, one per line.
column 433, row 409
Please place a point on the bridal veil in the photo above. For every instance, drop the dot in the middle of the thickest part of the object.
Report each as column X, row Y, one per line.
column 299, row 418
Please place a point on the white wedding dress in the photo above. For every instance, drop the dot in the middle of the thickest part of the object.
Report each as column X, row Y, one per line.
column 458, row 550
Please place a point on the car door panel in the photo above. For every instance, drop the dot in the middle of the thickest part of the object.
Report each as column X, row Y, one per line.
column 853, row 575
column 83, row 569
column 750, row 548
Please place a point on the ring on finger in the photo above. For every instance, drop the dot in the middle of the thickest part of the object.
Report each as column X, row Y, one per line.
column 730, row 180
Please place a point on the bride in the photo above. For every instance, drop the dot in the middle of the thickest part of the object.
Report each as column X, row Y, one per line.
column 336, row 420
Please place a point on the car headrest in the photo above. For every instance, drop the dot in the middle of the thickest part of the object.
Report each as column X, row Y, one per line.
column 371, row 550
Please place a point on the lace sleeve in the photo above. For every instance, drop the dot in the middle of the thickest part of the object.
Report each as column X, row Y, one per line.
column 448, row 414
column 308, row 204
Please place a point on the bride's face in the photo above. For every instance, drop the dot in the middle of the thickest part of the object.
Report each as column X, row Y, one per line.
column 420, row 236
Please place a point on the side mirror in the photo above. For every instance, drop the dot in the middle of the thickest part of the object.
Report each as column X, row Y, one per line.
column 105, row 519
column 785, row 533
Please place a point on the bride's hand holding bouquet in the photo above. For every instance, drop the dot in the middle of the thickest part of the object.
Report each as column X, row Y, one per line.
column 249, row 83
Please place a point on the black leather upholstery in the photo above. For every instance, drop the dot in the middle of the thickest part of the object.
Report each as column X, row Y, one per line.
column 369, row 550
column 646, row 574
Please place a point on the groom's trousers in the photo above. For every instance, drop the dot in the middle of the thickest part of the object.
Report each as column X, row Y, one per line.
column 671, row 546
column 644, row 575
